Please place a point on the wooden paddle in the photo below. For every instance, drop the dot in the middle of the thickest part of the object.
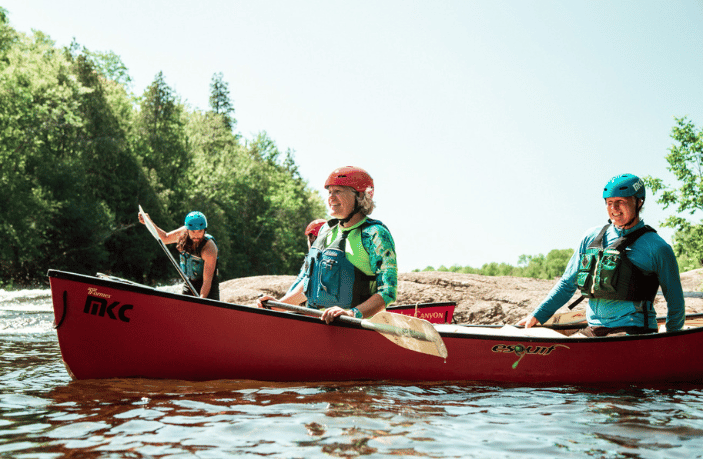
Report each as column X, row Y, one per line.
column 409, row 332
column 571, row 318
column 152, row 229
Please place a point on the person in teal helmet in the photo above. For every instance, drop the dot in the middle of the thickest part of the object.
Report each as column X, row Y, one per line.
column 199, row 254
column 619, row 267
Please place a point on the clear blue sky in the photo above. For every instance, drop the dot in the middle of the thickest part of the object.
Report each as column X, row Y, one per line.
column 489, row 127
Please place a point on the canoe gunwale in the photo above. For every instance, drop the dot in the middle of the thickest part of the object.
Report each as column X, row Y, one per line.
column 568, row 339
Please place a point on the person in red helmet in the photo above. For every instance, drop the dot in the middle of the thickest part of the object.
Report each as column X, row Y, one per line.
column 311, row 232
column 364, row 280
column 313, row 229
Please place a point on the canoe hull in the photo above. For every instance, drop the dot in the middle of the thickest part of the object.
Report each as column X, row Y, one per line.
column 108, row 329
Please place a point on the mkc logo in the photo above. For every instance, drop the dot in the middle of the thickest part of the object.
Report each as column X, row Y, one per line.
column 99, row 306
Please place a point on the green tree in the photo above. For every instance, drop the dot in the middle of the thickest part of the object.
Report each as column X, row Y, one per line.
column 220, row 102
column 685, row 160
column 46, row 215
column 256, row 202
column 8, row 36
column 556, row 262
column 108, row 64
column 276, row 205
column 162, row 144
column 534, row 266
column 79, row 153
column 113, row 175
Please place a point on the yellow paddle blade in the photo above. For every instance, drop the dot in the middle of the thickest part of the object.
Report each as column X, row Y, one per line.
column 693, row 323
column 409, row 332
column 568, row 318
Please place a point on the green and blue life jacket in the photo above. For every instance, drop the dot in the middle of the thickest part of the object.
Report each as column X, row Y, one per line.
column 609, row 274
column 330, row 278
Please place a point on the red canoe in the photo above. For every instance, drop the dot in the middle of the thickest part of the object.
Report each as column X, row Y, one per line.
column 112, row 329
column 436, row 313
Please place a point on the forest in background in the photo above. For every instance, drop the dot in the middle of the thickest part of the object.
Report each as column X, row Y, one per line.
column 79, row 152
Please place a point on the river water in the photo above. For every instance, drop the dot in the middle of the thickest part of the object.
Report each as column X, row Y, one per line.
column 43, row 414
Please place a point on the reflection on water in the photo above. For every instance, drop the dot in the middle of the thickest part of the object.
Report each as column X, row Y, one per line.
column 44, row 414
column 162, row 416
column 146, row 418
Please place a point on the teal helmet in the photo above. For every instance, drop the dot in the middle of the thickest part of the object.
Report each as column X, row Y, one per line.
column 623, row 186
column 196, row 221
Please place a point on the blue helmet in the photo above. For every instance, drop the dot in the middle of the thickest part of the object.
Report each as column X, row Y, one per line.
column 625, row 185
column 196, row 221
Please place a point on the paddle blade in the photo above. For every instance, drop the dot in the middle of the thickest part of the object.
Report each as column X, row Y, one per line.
column 148, row 223
column 409, row 332
column 567, row 318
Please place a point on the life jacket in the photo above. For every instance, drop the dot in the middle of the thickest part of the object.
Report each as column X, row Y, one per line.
column 191, row 263
column 609, row 274
column 331, row 279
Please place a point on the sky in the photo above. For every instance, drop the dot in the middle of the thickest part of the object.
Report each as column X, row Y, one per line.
column 489, row 127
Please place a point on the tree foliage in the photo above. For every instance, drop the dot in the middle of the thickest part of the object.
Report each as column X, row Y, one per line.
column 685, row 160
column 220, row 102
column 79, row 152
column 535, row 266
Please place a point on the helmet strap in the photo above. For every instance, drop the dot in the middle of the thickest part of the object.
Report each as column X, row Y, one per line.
column 357, row 209
column 638, row 206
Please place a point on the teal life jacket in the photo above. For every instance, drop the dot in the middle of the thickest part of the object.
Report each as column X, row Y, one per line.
column 331, row 279
column 191, row 263
column 609, row 274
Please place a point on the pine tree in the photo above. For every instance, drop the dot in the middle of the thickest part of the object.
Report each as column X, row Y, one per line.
column 220, row 102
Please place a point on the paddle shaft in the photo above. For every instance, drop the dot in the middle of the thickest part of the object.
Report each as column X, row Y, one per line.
column 381, row 328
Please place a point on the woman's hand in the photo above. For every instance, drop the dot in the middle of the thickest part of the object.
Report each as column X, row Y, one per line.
column 261, row 299
column 329, row 314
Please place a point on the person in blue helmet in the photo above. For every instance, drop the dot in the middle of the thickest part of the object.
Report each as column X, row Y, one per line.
column 199, row 254
column 619, row 268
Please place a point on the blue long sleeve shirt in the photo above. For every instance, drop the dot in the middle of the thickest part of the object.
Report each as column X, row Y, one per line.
column 651, row 254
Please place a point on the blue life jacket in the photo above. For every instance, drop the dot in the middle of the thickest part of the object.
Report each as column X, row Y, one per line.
column 331, row 279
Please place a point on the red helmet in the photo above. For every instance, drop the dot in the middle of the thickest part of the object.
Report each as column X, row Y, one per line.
column 314, row 227
column 354, row 177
